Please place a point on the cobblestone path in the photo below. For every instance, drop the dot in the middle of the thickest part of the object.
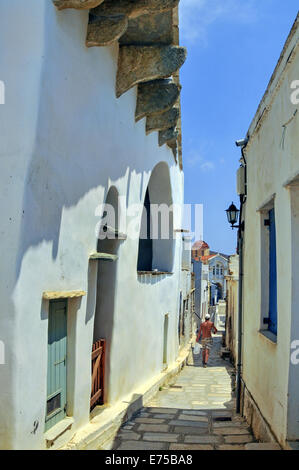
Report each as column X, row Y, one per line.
column 195, row 412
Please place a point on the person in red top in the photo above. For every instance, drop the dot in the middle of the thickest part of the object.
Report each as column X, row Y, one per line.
column 206, row 329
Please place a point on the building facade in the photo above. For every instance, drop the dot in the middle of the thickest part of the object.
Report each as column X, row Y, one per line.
column 210, row 269
column 187, row 322
column 81, row 132
column 218, row 266
column 232, row 306
column 270, row 212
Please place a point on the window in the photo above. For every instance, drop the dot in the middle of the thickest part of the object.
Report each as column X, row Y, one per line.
column 272, row 274
column 145, row 252
column 156, row 241
column 268, row 272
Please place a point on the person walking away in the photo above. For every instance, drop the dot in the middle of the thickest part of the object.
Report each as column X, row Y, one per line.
column 206, row 329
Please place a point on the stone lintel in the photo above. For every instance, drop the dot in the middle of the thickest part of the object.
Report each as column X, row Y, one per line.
column 49, row 295
column 143, row 63
column 103, row 31
column 133, row 9
column 147, row 30
column 155, row 97
column 162, row 121
column 168, row 136
column 77, row 4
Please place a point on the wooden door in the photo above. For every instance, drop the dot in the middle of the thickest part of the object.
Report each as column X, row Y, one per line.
column 97, row 373
column 57, row 363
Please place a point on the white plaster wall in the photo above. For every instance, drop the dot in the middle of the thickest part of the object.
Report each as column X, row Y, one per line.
column 21, row 68
column 232, row 287
column 293, row 408
column 65, row 139
column 204, row 308
column 266, row 364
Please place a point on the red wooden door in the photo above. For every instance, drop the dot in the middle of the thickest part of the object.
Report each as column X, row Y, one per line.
column 97, row 373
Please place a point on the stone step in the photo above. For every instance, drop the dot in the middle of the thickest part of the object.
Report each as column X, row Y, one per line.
column 263, row 446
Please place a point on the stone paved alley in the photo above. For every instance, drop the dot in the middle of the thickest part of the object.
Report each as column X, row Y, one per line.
column 195, row 412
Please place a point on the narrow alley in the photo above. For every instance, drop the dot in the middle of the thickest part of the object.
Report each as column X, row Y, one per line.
column 195, row 412
column 149, row 167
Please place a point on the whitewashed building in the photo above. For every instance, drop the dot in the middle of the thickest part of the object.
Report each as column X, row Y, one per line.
column 232, row 306
column 218, row 265
column 270, row 211
column 82, row 127
column 187, row 321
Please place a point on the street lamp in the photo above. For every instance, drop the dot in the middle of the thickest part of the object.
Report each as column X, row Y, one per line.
column 232, row 215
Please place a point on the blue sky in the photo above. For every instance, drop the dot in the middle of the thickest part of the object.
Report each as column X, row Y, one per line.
column 233, row 47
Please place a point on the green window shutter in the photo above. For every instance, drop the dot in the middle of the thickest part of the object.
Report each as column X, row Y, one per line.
column 57, row 363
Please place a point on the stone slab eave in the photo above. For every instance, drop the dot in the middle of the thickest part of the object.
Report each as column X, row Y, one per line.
column 138, row 64
column 76, row 4
column 155, row 97
column 149, row 51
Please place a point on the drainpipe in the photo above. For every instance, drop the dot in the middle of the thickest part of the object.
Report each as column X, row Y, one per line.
column 240, row 290
column 240, row 308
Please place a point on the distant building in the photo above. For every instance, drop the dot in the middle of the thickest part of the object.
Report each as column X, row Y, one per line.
column 186, row 320
column 197, row 271
column 199, row 249
column 232, row 296
column 210, row 270
column 218, row 265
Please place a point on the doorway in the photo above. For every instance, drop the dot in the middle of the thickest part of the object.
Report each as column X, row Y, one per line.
column 165, row 341
column 57, row 363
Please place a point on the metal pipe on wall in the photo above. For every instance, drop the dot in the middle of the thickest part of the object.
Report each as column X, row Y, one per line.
column 240, row 289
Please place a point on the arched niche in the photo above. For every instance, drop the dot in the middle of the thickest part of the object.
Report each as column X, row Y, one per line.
column 156, row 240
column 108, row 240
column 108, row 243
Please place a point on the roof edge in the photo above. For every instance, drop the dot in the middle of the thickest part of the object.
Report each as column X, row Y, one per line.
column 275, row 77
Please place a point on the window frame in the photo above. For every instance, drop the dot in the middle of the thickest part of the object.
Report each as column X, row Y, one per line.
column 265, row 256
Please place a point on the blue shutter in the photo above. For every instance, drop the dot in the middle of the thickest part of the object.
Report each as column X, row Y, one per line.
column 57, row 344
column 272, row 274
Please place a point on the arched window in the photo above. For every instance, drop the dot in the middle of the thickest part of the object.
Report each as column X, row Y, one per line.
column 156, row 241
column 108, row 241
column 145, row 252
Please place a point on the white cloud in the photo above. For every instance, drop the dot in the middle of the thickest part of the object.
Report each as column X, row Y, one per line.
column 196, row 16
column 196, row 160
column 206, row 166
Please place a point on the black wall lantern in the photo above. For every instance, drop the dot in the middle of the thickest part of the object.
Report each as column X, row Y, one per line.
column 232, row 215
